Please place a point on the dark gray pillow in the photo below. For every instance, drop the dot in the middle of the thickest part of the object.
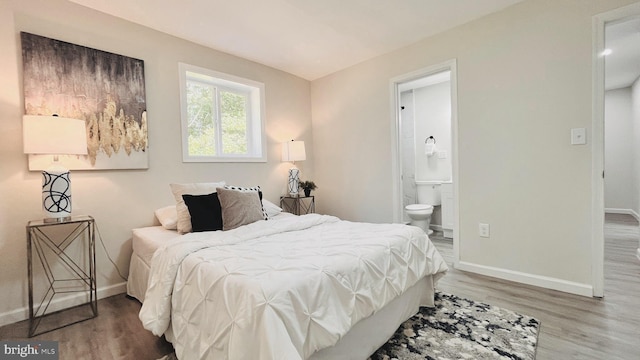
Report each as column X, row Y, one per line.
column 239, row 208
column 254, row 188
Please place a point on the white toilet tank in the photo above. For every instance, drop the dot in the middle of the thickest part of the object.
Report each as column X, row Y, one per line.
column 429, row 192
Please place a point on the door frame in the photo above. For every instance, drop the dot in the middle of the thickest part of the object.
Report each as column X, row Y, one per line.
column 597, row 161
column 396, row 150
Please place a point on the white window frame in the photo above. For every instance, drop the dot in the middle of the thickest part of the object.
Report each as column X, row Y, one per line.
column 256, row 138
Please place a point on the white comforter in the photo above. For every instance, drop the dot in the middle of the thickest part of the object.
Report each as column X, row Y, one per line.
column 280, row 289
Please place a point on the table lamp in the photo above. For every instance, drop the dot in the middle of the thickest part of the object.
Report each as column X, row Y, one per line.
column 54, row 135
column 293, row 151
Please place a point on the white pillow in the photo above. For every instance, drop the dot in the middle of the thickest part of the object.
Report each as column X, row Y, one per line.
column 168, row 217
column 184, row 219
column 270, row 208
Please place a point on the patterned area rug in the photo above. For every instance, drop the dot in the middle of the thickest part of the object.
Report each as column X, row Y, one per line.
column 458, row 328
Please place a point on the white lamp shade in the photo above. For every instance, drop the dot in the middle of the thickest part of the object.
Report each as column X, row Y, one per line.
column 54, row 135
column 293, row 151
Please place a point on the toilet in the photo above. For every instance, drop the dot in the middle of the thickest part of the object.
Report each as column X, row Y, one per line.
column 428, row 197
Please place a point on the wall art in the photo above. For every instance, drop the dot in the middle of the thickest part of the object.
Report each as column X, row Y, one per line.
column 105, row 90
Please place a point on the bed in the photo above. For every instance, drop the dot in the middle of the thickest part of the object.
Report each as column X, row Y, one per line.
column 291, row 287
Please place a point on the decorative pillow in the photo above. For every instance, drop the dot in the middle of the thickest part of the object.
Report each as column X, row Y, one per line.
column 250, row 189
column 167, row 216
column 205, row 211
column 270, row 208
column 239, row 208
column 184, row 219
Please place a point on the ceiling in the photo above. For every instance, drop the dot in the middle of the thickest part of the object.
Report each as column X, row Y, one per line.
column 308, row 38
column 622, row 66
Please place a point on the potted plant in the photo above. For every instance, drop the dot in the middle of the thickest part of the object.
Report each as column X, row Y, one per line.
column 307, row 186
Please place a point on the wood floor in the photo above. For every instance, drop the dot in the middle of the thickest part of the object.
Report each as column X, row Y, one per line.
column 573, row 327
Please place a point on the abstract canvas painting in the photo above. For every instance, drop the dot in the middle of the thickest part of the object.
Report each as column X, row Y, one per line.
column 105, row 90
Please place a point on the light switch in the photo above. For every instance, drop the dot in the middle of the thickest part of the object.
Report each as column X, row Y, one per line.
column 442, row 154
column 483, row 230
column 578, row 136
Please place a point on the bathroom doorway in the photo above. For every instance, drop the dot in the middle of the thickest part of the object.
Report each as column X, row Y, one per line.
column 425, row 143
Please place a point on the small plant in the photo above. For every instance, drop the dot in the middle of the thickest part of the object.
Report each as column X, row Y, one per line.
column 308, row 185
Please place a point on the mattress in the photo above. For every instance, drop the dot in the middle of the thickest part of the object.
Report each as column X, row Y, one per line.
column 147, row 240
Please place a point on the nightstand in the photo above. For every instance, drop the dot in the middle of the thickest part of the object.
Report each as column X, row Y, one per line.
column 298, row 205
column 64, row 255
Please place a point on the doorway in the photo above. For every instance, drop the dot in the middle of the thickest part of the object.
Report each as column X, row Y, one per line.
column 612, row 86
column 411, row 160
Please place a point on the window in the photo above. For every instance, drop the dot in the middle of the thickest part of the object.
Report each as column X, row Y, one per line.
column 221, row 117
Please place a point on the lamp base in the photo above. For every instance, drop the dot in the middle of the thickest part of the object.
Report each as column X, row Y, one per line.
column 294, row 181
column 56, row 194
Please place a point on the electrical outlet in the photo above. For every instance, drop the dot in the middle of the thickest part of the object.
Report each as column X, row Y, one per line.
column 483, row 230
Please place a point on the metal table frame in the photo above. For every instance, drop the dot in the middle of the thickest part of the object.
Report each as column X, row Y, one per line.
column 85, row 279
column 298, row 205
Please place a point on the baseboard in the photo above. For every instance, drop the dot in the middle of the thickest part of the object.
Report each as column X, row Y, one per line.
column 447, row 233
column 529, row 279
column 623, row 211
column 60, row 303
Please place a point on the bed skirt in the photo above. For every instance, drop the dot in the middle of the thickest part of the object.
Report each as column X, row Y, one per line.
column 138, row 277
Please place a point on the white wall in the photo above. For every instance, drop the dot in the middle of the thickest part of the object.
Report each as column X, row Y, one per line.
column 433, row 118
column 122, row 200
column 622, row 189
column 524, row 80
